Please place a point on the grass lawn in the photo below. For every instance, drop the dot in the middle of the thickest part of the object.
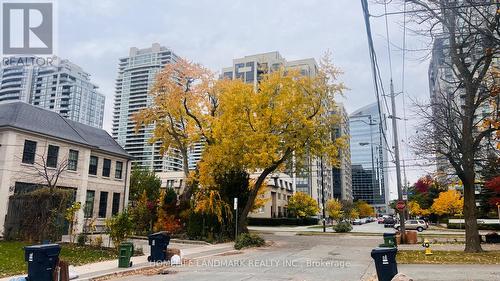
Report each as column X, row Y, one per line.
column 12, row 256
column 448, row 257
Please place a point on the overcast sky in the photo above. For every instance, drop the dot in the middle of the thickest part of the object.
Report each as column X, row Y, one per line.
column 95, row 33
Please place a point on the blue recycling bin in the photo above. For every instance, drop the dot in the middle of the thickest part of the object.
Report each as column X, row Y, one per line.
column 385, row 263
column 158, row 242
column 42, row 261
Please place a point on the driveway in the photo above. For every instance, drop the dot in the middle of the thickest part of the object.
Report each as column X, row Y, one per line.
column 289, row 258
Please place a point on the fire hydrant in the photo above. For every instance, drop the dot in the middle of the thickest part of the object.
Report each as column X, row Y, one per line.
column 427, row 246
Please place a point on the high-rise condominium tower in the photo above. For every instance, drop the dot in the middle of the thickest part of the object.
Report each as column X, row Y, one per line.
column 57, row 85
column 342, row 180
column 136, row 75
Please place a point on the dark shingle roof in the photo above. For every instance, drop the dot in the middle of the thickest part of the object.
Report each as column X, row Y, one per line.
column 27, row 117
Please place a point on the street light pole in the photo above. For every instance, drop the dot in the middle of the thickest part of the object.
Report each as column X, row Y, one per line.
column 323, row 195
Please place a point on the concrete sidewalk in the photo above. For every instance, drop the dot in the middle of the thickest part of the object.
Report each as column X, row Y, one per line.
column 188, row 251
column 90, row 271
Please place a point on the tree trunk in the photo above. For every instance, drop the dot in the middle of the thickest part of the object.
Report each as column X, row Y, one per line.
column 472, row 238
column 242, row 220
column 188, row 188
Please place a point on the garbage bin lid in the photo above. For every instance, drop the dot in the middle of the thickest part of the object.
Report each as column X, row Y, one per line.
column 43, row 247
column 160, row 233
column 384, row 250
column 388, row 234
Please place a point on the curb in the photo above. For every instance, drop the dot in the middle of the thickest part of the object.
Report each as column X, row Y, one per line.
column 178, row 241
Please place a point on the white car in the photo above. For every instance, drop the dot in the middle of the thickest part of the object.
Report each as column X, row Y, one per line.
column 418, row 225
column 357, row 222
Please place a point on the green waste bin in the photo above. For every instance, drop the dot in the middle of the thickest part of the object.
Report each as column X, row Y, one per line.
column 389, row 240
column 126, row 252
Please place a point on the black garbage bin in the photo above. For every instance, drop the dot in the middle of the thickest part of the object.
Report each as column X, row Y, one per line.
column 385, row 263
column 158, row 242
column 42, row 260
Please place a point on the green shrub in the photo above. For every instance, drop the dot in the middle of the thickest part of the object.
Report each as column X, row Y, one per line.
column 119, row 227
column 81, row 239
column 479, row 226
column 247, row 240
column 343, row 226
column 37, row 215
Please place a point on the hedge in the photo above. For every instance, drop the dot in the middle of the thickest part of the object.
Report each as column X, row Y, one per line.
column 282, row 221
column 480, row 226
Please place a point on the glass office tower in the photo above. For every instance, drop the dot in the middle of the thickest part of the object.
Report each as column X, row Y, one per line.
column 369, row 157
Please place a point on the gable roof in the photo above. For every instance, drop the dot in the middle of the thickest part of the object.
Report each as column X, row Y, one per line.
column 34, row 119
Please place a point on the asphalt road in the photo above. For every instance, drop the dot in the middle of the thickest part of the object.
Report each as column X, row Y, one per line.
column 371, row 227
column 289, row 258
column 317, row 257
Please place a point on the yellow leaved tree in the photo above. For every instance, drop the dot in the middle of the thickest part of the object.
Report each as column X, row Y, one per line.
column 334, row 209
column 303, row 205
column 448, row 202
column 183, row 103
column 416, row 210
column 364, row 209
column 261, row 129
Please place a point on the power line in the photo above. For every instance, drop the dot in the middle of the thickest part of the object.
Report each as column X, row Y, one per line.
column 375, row 69
column 404, row 12
column 405, row 122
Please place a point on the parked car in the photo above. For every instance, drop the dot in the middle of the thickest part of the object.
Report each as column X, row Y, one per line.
column 418, row 225
column 380, row 220
column 357, row 222
column 389, row 222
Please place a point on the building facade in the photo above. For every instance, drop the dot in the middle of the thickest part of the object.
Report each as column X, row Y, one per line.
column 278, row 192
column 87, row 159
column 58, row 85
column 136, row 76
column 341, row 175
column 369, row 157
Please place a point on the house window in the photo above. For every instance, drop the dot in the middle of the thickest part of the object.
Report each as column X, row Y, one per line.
column 93, row 165
column 103, row 204
column 89, row 203
column 116, row 203
column 118, row 170
column 52, row 155
column 170, row 183
column 73, row 160
column 29, row 152
column 106, row 168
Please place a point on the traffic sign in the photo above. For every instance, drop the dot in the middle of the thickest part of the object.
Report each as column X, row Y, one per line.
column 401, row 205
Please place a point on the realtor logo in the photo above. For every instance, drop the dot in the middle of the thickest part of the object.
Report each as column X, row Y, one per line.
column 27, row 28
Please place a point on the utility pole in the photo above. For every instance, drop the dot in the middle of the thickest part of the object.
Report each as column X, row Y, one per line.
column 396, row 159
column 323, row 195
